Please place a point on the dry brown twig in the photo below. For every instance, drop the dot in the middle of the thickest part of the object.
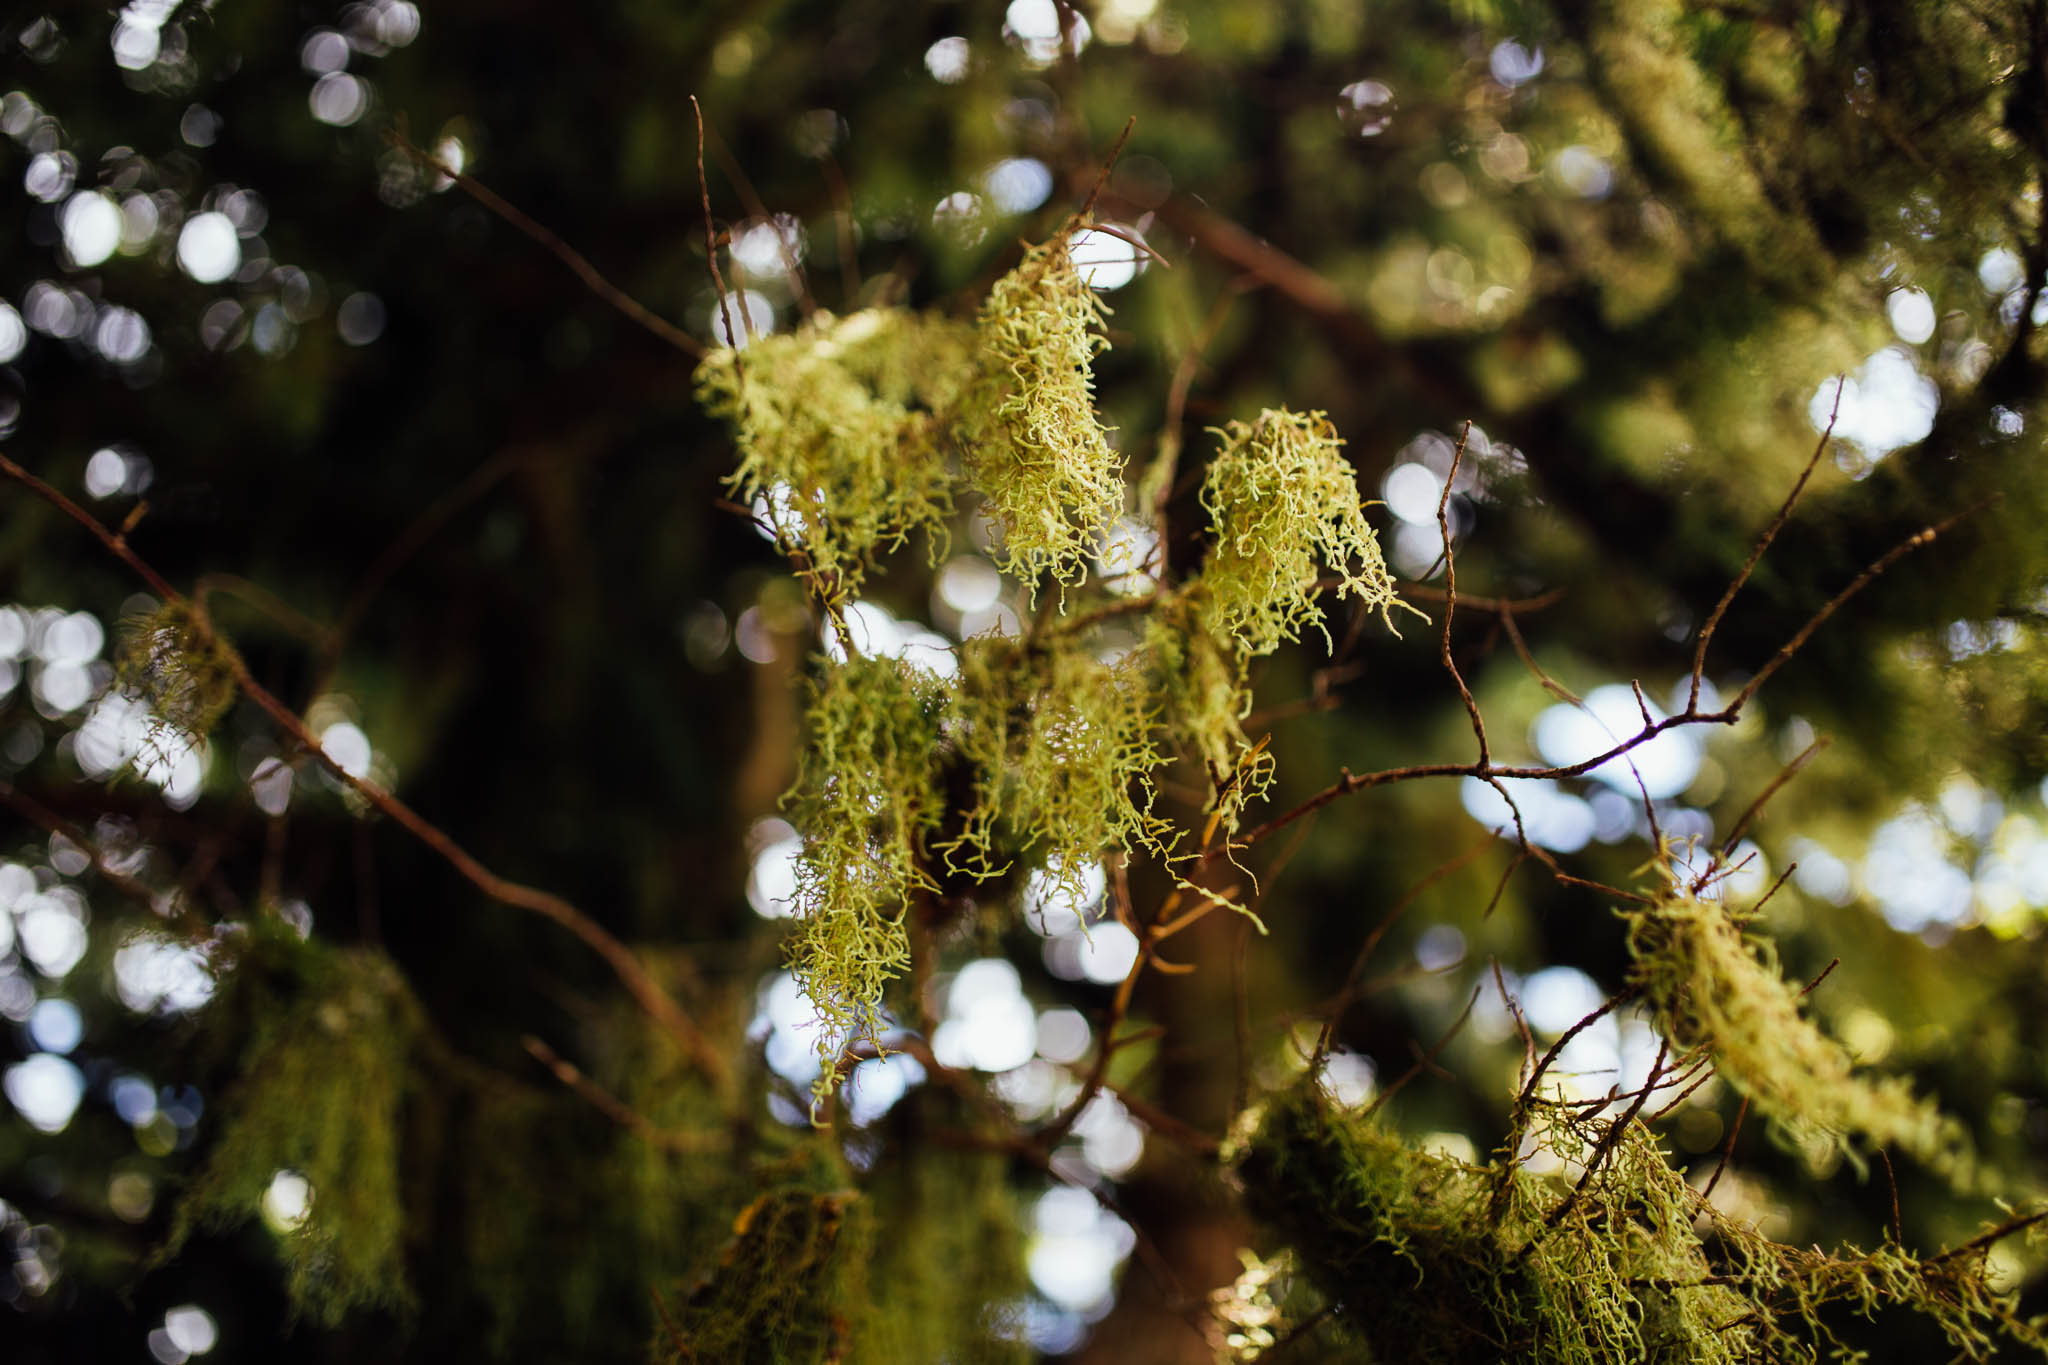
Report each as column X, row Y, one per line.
column 562, row 251
column 625, row 964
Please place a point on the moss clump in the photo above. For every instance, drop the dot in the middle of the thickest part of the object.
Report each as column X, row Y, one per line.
column 1034, row 446
column 947, row 1263
column 1714, row 985
column 867, row 797
column 325, row 1046
column 841, row 432
column 791, row 1278
column 1282, row 500
column 1441, row 1263
column 180, row 666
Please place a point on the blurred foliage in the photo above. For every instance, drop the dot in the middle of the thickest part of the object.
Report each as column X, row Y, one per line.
column 443, row 501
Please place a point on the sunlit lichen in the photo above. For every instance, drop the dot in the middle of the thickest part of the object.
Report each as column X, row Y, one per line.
column 180, row 666
column 1064, row 746
column 841, row 431
column 1439, row 1262
column 1282, row 500
column 1714, row 985
column 1035, row 448
column 866, row 799
column 1206, row 700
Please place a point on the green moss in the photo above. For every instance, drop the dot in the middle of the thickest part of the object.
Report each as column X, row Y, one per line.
column 1035, row 448
column 1714, row 985
column 1438, row 1262
column 1282, row 500
column 325, row 1044
column 948, row 1260
column 784, row 1288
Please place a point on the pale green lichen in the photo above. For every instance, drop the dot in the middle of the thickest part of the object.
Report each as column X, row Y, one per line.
column 1282, row 501
column 1715, row 985
column 1035, row 448
column 1063, row 745
column 841, row 431
column 866, row 799
column 1207, row 698
column 1439, row 1262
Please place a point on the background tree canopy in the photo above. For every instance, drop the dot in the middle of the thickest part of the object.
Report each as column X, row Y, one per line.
column 1518, row 1069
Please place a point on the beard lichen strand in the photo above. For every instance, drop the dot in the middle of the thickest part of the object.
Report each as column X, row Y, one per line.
column 864, row 801
column 1280, row 496
column 1713, row 985
column 1033, row 445
column 841, row 428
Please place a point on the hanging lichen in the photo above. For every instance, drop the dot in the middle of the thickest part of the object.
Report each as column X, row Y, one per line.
column 1206, row 699
column 1438, row 1262
column 1064, row 746
column 840, row 427
column 1035, row 448
column 325, row 1048
column 866, row 799
column 179, row 666
column 1713, row 985
column 1282, row 501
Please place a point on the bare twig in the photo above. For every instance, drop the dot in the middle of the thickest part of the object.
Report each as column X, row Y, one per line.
column 732, row 338
column 610, row 1105
column 566, row 254
column 1763, row 543
column 657, row 1002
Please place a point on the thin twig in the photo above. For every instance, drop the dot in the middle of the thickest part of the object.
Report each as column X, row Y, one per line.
column 657, row 1002
column 610, row 1105
column 1785, row 774
column 566, row 254
column 1763, row 543
column 732, row 338
column 1607, row 1006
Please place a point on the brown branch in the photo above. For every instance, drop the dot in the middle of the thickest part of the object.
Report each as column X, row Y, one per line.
column 1785, row 774
column 1856, row 585
column 1607, row 1006
column 1763, row 543
column 732, row 338
column 1443, row 522
column 657, row 1003
column 749, row 196
column 611, row 1106
column 1727, row 1150
column 563, row 252
column 1424, row 1061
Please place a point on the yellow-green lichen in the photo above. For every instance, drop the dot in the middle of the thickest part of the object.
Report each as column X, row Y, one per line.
column 1035, row 448
column 1064, row 746
column 1439, row 1262
column 1282, row 501
column 841, row 431
column 1712, row 984
column 866, row 799
column 325, row 1050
